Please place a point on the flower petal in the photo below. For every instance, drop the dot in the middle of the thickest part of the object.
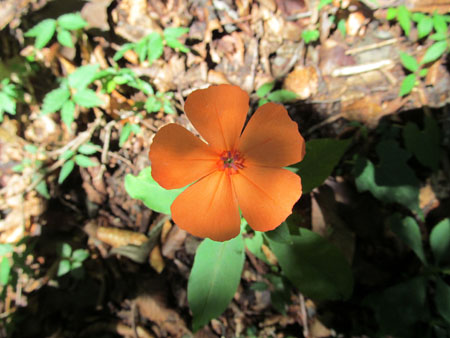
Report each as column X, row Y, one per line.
column 266, row 195
column 208, row 208
column 218, row 113
column 179, row 158
column 271, row 138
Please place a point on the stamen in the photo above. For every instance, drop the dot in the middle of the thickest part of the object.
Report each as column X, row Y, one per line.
column 230, row 161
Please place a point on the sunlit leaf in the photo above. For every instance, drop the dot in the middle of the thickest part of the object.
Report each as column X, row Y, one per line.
column 68, row 113
column 265, row 89
column 440, row 242
column 64, row 38
column 281, row 234
column 407, row 85
column 424, row 27
column 143, row 187
column 42, row 189
column 54, row 100
column 83, row 76
column 63, row 267
column 43, row 32
column 71, row 21
column 404, row 19
column 214, row 278
column 155, row 47
column 175, row 32
column 282, row 95
column 5, row 270
column 153, row 105
column 440, row 23
column 7, row 104
column 87, row 98
column 80, row 255
column 5, row 248
column 315, row 266
column 391, row 13
column 66, row 250
column 88, row 148
column 323, row 3
column 434, row 52
column 66, row 169
column 84, row 161
column 409, row 62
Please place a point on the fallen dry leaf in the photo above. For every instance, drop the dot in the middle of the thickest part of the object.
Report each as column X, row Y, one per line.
column 303, row 81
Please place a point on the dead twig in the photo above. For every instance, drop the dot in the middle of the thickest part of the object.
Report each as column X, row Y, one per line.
column 370, row 47
column 358, row 69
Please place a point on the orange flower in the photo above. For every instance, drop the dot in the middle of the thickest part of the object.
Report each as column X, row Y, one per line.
column 232, row 170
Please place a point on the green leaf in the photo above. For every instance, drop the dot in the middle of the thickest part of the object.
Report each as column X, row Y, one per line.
column 280, row 234
column 83, row 76
column 155, row 47
column 440, row 242
column 143, row 187
column 43, row 32
column 125, row 134
column 84, row 161
column 42, row 189
column 408, row 231
column 341, row 27
column 404, row 19
column 67, row 154
column 409, row 62
column 31, row 148
column 423, row 72
column 442, row 299
column 71, row 21
column 63, row 267
column 7, row 104
column 417, row 16
column 399, row 307
column 254, row 244
column 87, row 98
column 214, row 278
column 438, row 36
column 282, row 95
column 121, row 52
column 439, row 23
column 153, row 105
column 265, row 89
column 392, row 180
column 66, row 250
column 424, row 144
column 177, row 45
column 328, row 153
column 5, row 270
column 434, row 52
column 391, row 13
column 80, row 255
column 262, row 101
column 65, row 171
column 424, row 27
column 310, row 35
column 175, row 32
column 168, row 108
column 315, row 266
column 64, row 38
column 54, row 100
column 141, row 48
column 323, row 3
column 407, row 85
column 88, row 148
column 68, row 113
column 5, row 248
column 135, row 128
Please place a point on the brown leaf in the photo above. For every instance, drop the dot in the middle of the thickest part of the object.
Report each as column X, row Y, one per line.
column 303, row 81
column 120, row 237
column 156, row 260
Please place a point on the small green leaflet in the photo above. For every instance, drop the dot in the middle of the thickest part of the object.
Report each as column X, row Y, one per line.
column 87, row 98
column 282, row 95
column 65, row 171
column 71, row 21
column 84, row 161
column 440, row 242
column 434, row 52
column 5, row 270
column 143, row 187
column 265, row 89
column 125, row 134
column 424, row 27
column 54, row 100
column 409, row 62
column 68, row 113
column 407, row 85
column 214, row 278
column 88, row 148
column 83, row 76
column 64, row 38
column 43, row 32
column 404, row 19
column 155, row 47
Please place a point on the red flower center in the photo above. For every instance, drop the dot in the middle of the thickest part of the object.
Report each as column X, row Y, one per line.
column 230, row 161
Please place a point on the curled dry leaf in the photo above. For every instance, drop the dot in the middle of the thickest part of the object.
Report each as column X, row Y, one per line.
column 156, row 260
column 119, row 237
column 303, row 81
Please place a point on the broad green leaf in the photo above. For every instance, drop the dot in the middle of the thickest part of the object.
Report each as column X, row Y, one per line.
column 408, row 231
column 54, row 100
column 155, row 47
column 66, row 250
column 88, row 148
column 424, row 144
column 404, row 19
column 323, row 3
column 125, row 134
column 143, row 187
column 80, row 255
column 214, row 278
column 440, row 242
column 315, row 266
column 68, row 113
column 399, row 307
column 417, row 16
column 64, row 38
column 71, row 21
column 83, row 76
column 153, row 105
column 177, row 45
column 439, row 23
column 328, row 153
column 42, row 189
column 87, row 98
column 424, row 27
column 65, row 171
column 391, row 13
column 442, row 299
column 43, row 32
column 392, row 180
column 7, row 104
column 280, row 234
column 282, row 95
column 175, row 32
column 265, row 89
column 5, row 248
column 434, row 52
column 121, row 52
column 141, row 48
column 310, row 35
column 84, row 161
column 63, row 267
column 409, row 62
column 407, row 85
column 438, row 36
column 5, row 270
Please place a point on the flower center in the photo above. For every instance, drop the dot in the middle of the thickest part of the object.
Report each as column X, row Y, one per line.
column 230, row 161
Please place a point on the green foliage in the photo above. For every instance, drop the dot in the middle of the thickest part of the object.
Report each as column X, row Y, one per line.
column 408, row 84
column 409, row 62
column 44, row 31
column 442, row 299
column 310, row 35
column 434, row 52
column 440, row 243
column 342, row 27
column 323, row 3
column 214, row 278
column 328, row 153
column 126, row 132
column 9, row 94
column 265, row 94
column 315, row 266
column 151, row 47
column 143, row 187
column 423, row 144
column 71, row 261
column 81, row 159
